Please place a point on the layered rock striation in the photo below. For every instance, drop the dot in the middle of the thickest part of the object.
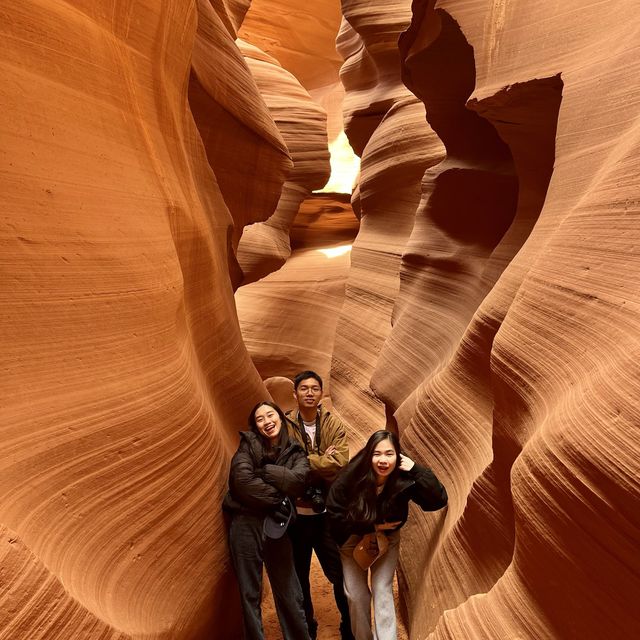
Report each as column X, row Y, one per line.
column 265, row 246
column 385, row 123
column 124, row 372
column 488, row 308
column 510, row 363
column 238, row 132
column 288, row 319
column 300, row 36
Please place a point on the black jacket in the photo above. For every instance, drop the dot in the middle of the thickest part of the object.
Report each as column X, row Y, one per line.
column 392, row 505
column 257, row 481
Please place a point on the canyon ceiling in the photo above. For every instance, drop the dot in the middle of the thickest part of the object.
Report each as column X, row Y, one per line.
column 164, row 262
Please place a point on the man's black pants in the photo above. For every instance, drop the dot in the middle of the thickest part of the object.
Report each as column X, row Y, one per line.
column 308, row 534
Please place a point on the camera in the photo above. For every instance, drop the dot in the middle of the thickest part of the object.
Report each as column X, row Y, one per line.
column 315, row 496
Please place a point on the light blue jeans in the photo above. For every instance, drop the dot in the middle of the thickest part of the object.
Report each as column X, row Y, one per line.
column 356, row 588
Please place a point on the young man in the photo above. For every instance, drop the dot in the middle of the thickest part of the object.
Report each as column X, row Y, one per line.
column 325, row 440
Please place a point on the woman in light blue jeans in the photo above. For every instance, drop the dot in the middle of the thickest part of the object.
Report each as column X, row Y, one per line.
column 369, row 503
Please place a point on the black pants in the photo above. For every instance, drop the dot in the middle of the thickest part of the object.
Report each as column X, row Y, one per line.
column 249, row 551
column 308, row 534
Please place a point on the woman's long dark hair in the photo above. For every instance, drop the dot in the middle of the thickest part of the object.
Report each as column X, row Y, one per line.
column 362, row 507
column 283, row 439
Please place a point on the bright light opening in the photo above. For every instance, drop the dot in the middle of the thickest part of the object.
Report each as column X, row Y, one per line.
column 345, row 166
column 334, row 252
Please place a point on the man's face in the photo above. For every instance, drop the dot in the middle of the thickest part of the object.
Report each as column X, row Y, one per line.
column 309, row 393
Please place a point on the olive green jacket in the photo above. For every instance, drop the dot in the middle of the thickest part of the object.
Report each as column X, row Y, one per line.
column 329, row 431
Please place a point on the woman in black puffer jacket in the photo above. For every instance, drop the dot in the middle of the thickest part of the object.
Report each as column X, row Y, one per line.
column 367, row 505
column 267, row 471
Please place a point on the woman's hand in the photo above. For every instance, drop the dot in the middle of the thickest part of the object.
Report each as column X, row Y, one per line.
column 406, row 464
column 383, row 526
column 331, row 449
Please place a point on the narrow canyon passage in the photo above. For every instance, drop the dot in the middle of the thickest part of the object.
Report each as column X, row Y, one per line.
column 469, row 278
column 288, row 319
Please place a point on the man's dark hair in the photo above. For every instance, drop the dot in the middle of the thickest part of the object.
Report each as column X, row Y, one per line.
column 303, row 375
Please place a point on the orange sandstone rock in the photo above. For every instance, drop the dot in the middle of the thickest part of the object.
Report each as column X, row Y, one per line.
column 238, row 132
column 288, row 318
column 264, row 247
column 489, row 306
column 526, row 406
column 395, row 155
column 300, row 36
column 123, row 369
column 281, row 390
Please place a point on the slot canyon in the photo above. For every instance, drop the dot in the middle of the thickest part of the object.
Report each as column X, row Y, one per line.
column 435, row 204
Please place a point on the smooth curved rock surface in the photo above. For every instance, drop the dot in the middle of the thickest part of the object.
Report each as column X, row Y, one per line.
column 301, row 36
column 495, row 277
column 238, row 132
column 265, row 246
column 288, row 318
column 281, row 390
column 123, row 368
column 367, row 42
column 511, row 366
column 389, row 192
column 395, row 156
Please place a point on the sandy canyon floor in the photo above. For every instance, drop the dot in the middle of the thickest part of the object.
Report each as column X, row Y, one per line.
column 324, row 605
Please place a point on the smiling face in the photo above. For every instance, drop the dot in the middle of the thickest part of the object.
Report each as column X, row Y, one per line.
column 384, row 459
column 268, row 422
column 308, row 394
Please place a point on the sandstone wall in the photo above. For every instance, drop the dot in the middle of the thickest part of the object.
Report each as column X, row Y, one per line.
column 511, row 362
column 301, row 36
column 491, row 311
column 123, row 369
column 265, row 246
column 385, row 124
column 288, row 319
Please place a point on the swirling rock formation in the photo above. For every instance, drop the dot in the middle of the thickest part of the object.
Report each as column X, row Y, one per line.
column 264, row 247
column 387, row 125
column 123, row 368
column 300, row 36
column 288, row 318
column 490, row 309
column 236, row 127
column 511, row 365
